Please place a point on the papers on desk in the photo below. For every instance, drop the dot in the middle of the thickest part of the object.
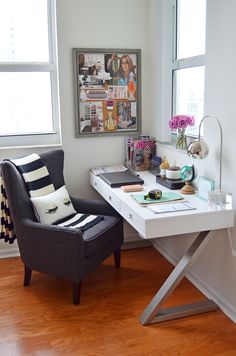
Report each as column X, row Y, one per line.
column 108, row 169
column 171, row 207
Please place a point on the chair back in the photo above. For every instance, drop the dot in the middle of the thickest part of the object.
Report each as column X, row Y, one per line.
column 17, row 193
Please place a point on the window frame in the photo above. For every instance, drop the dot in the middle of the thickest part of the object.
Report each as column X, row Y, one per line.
column 182, row 63
column 52, row 138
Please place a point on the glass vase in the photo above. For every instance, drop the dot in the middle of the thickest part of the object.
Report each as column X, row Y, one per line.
column 181, row 139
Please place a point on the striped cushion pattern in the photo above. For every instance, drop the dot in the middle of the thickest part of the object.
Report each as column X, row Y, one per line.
column 81, row 221
column 35, row 174
column 7, row 231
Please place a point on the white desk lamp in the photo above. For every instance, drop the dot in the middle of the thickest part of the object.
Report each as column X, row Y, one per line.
column 199, row 149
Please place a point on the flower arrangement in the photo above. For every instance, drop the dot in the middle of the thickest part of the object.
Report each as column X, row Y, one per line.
column 181, row 122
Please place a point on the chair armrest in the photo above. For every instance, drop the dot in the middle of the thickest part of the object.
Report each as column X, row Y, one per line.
column 51, row 249
column 97, row 207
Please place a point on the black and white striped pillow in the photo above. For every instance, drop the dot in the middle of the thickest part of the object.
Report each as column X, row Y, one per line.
column 81, row 221
column 35, row 174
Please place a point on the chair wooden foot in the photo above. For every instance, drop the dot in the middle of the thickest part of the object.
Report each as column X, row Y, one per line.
column 27, row 277
column 117, row 257
column 76, row 289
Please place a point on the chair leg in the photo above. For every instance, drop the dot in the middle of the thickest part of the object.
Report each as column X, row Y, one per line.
column 27, row 276
column 117, row 257
column 76, row 289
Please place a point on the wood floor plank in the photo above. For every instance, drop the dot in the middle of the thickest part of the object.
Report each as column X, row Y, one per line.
column 41, row 319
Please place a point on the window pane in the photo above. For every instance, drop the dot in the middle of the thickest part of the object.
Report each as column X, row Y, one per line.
column 191, row 18
column 23, row 31
column 189, row 87
column 26, row 105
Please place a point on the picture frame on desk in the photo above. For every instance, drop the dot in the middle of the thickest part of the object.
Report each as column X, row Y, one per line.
column 205, row 185
column 107, row 87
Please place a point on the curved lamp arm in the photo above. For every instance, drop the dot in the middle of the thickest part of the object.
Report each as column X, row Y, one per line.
column 221, row 142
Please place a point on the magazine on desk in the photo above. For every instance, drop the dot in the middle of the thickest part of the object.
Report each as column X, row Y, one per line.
column 171, row 208
column 108, row 169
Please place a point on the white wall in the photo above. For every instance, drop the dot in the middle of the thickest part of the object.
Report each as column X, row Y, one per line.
column 215, row 269
column 92, row 24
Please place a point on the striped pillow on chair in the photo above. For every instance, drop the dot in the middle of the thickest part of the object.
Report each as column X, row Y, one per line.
column 35, row 174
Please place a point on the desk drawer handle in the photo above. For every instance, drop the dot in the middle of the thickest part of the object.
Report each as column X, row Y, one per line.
column 130, row 216
column 95, row 184
column 110, row 198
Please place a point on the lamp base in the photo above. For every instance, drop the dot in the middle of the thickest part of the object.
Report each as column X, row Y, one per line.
column 187, row 189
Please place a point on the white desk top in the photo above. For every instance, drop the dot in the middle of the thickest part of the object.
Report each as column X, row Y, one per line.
column 150, row 225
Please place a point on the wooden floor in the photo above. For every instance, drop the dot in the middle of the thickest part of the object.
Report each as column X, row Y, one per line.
column 41, row 320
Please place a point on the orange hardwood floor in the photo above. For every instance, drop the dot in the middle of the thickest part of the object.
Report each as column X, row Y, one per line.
column 41, row 319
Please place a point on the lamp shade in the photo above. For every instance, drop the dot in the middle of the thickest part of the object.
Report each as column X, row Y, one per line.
column 198, row 149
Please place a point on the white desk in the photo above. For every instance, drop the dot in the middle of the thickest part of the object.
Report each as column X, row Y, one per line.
column 149, row 225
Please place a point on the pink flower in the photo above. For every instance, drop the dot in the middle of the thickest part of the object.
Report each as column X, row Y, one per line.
column 181, row 122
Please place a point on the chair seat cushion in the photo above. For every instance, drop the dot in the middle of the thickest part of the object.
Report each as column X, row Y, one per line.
column 100, row 234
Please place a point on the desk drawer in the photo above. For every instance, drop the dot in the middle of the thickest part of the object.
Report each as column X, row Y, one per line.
column 133, row 218
column 94, row 181
column 105, row 192
column 110, row 197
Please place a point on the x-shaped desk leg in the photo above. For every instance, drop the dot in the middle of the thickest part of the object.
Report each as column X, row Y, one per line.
column 153, row 312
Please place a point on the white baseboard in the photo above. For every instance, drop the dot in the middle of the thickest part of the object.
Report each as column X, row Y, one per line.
column 135, row 244
column 10, row 252
column 227, row 308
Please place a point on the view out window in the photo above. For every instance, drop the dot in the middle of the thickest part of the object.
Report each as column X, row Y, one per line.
column 188, row 60
column 29, row 110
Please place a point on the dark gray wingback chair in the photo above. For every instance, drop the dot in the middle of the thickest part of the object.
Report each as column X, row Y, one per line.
column 55, row 250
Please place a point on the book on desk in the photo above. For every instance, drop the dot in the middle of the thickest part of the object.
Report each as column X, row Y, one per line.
column 117, row 179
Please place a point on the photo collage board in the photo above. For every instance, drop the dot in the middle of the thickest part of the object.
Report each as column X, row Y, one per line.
column 107, row 88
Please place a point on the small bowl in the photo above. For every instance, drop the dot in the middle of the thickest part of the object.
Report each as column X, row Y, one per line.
column 173, row 173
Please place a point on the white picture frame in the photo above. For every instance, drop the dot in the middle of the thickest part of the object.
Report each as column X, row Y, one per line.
column 205, row 185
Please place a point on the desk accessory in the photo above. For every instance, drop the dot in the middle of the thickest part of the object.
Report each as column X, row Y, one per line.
column 117, row 179
column 173, row 173
column 155, row 194
column 156, row 162
column 199, row 149
column 166, row 197
column 205, row 186
column 139, row 152
column 170, row 183
column 164, row 166
column 188, row 174
column 132, row 188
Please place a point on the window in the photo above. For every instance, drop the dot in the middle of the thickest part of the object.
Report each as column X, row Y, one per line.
column 29, row 110
column 188, row 70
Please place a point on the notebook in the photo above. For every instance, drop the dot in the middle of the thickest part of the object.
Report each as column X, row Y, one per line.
column 166, row 197
column 117, row 179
